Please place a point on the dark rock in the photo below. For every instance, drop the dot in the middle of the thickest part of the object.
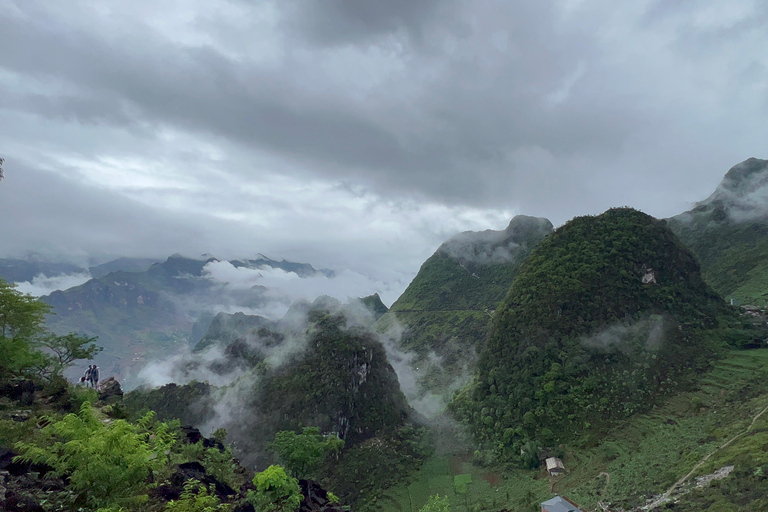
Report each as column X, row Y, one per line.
column 110, row 390
column 20, row 468
column 21, row 416
column 196, row 471
column 212, row 443
column 20, row 390
column 191, row 435
column 315, row 498
column 244, row 506
column 15, row 502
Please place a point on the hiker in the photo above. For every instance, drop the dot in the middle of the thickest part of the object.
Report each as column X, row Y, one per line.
column 86, row 378
column 95, row 376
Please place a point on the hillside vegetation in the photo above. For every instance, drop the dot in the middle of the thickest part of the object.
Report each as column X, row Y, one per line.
column 728, row 232
column 581, row 340
column 445, row 311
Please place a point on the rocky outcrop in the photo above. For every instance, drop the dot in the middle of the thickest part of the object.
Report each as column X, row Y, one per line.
column 110, row 390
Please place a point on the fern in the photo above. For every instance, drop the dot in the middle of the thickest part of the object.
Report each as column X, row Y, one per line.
column 108, row 464
column 197, row 498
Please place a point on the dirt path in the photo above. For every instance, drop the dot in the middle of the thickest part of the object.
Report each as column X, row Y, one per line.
column 665, row 497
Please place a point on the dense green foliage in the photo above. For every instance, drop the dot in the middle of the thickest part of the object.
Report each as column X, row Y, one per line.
column 474, row 270
column 191, row 403
column 26, row 346
column 436, row 503
column 275, row 491
column 196, row 498
column 362, row 473
column 302, row 453
column 342, row 383
column 106, row 463
column 447, row 308
column 580, row 340
column 728, row 233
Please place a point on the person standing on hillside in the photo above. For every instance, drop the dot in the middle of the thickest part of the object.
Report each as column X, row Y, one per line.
column 86, row 378
column 95, row 377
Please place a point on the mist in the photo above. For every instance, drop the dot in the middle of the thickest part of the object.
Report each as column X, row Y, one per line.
column 43, row 285
column 646, row 334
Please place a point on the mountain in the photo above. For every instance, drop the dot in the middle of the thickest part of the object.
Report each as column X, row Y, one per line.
column 121, row 264
column 446, row 310
column 728, row 232
column 138, row 315
column 607, row 314
column 318, row 366
column 20, row 270
column 300, row 269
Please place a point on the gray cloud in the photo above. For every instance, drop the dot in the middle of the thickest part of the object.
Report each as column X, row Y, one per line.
column 232, row 114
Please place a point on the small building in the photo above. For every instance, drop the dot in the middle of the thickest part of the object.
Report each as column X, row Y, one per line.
column 649, row 276
column 555, row 466
column 560, row 504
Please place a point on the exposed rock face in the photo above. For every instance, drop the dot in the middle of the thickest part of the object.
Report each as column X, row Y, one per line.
column 110, row 390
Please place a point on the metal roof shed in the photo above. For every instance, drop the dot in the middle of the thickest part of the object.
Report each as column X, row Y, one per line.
column 560, row 504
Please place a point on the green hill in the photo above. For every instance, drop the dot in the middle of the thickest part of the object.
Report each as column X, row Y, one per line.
column 607, row 314
column 728, row 232
column 446, row 310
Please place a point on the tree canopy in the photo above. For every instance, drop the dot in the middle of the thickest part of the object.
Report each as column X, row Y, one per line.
column 27, row 347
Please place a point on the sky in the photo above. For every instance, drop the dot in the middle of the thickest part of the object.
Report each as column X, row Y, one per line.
column 360, row 134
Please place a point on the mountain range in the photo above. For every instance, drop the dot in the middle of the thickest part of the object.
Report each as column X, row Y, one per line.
column 140, row 309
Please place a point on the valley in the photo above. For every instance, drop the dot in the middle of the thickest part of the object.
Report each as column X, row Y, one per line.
column 616, row 342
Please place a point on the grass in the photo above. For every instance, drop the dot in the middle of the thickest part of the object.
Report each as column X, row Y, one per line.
column 644, row 455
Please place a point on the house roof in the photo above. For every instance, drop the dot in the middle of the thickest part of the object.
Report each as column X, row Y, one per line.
column 554, row 463
column 558, row 504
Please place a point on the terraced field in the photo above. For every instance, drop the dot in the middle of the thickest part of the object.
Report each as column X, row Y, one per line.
column 644, row 456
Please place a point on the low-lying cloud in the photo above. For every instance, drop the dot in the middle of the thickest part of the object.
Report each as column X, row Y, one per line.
column 284, row 288
column 43, row 285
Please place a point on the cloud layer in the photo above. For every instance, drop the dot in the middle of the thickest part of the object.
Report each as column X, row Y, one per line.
column 361, row 134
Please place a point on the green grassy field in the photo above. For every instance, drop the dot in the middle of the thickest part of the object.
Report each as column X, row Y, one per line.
column 643, row 456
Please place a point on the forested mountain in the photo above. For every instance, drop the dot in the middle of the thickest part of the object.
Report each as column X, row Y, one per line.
column 728, row 232
column 606, row 315
column 446, row 310
column 320, row 366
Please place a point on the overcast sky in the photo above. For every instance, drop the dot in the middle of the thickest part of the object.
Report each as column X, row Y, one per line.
column 362, row 133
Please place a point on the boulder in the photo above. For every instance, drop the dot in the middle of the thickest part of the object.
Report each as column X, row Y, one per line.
column 191, row 435
column 110, row 390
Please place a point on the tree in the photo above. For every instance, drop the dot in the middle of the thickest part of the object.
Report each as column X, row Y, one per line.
column 64, row 350
column 26, row 346
column 275, row 491
column 21, row 319
column 302, row 453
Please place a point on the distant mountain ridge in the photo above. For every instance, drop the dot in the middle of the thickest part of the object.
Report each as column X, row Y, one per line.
column 142, row 314
column 16, row 270
column 728, row 232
